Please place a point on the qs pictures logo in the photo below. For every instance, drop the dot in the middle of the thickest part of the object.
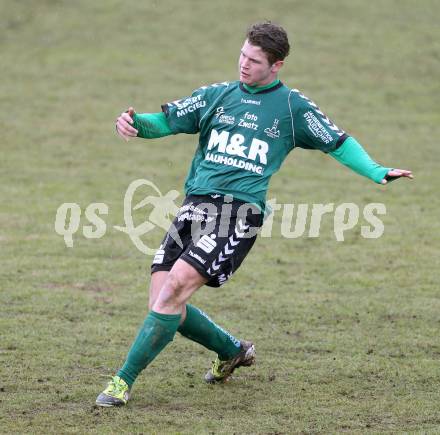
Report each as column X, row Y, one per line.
column 162, row 210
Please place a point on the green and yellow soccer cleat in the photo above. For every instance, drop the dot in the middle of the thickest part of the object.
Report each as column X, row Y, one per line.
column 117, row 393
column 222, row 370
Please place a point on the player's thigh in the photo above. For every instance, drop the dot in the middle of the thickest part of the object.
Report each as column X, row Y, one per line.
column 173, row 244
column 157, row 281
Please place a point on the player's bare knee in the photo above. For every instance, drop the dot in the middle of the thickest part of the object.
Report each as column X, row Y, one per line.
column 172, row 290
column 174, row 283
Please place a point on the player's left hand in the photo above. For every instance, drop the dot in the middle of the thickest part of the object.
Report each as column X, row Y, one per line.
column 394, row 174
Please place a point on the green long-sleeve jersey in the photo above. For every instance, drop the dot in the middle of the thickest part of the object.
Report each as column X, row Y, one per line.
column 244, row 137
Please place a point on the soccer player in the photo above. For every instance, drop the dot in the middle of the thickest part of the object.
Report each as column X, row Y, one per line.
column 246, row 129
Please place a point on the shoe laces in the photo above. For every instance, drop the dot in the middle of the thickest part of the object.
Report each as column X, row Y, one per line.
column 219, row 366
column 117, row 385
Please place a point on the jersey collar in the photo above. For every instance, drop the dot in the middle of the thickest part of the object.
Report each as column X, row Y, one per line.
column 261, row 89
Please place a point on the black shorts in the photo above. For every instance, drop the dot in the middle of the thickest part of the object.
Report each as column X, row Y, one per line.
column 213, row 233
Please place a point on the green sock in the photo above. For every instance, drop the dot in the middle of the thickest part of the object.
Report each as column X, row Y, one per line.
column 200, row 328
column 156, row 332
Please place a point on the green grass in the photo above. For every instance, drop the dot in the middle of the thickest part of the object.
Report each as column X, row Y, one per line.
column 347, row 333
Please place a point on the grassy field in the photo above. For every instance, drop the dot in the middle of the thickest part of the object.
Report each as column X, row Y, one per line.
column 347, row 333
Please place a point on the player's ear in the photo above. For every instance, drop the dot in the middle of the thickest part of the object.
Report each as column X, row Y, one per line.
column 277, row 66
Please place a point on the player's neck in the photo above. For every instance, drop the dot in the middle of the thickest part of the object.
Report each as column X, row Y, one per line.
column 254, row 89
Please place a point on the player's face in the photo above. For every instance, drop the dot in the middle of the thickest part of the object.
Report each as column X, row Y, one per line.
column 254, row 68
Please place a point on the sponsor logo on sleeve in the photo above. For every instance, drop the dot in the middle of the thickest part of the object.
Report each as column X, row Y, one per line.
column 323, row 118
column 317, row 128
column 188, row 105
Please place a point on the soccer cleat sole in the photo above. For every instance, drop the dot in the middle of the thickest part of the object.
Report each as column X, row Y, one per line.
column 109, row 402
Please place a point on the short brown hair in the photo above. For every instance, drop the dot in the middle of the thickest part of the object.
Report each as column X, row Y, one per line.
column 272, row 39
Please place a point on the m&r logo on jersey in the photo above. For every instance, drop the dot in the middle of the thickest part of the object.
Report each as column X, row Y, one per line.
column 233, row 146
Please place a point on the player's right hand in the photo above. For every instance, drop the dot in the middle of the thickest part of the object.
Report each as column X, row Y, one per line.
column 124, row 124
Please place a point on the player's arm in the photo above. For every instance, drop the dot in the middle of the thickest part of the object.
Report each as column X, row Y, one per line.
column 151, row 125
column 353, row 155
column 179, row 116
column 145, row 125
column 314, row 130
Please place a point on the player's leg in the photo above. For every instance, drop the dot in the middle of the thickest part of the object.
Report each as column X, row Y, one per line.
column 231, row 352
column 220, row 263
column 163, row 320
column 171, row 300
column 157, row 331
column 196, row 325
column 216, row 256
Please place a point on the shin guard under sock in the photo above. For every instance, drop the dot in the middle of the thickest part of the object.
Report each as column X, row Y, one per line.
column 156, row 332
column 200, row 328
